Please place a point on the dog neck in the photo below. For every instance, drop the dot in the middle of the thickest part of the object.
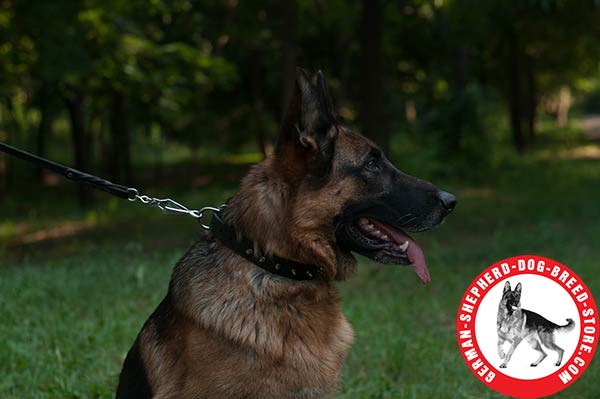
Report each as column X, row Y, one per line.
column 263, row 211
column 215, row 284
column 253, row 253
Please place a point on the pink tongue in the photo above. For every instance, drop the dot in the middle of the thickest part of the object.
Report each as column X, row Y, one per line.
column 414, row 252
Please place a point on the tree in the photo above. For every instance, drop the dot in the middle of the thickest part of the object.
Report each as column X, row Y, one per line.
column 372, row 113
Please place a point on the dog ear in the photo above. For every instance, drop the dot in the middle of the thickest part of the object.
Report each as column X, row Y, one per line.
column 325, row 96
column 518, row 290
column 506, row 287
column 308, row 131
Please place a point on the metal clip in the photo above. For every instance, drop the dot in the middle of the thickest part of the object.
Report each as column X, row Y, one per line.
column 172, row 206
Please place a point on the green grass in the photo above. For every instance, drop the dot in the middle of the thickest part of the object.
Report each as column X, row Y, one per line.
column 71, row 307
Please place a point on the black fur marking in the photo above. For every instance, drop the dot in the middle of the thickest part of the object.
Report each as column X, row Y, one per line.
column 133, row 382
column 161, row 318
column 537, row 321
column 351, row 170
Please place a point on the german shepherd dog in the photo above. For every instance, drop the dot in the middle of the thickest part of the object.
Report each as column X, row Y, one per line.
column 228, row 328
column 516, row 324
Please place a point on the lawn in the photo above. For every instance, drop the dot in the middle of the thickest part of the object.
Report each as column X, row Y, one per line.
column 72, row 301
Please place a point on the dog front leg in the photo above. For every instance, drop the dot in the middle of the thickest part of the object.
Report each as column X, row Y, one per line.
column 501, row 342
column 514, row 345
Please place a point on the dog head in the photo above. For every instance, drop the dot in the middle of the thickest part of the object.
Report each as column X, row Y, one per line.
column 511, row 299
column 344, row 194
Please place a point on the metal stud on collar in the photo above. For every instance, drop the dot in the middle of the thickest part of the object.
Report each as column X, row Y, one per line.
column 249, row 250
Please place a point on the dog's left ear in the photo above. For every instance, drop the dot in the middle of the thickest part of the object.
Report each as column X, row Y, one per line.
column 518, row 289
column 506, row 287
column 308, row 131
column 325, row 97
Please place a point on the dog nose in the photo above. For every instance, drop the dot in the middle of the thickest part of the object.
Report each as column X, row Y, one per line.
column 448, row 200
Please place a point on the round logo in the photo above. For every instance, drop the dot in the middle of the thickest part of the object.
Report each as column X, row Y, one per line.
column 527, row 326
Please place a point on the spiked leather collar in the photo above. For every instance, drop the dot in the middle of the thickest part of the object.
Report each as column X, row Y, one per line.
column 275, row 265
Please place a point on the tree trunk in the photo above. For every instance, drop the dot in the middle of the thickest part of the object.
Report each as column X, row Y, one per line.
column 259, row 108
column 531, row 100
column 515, row 93
column 119, row 151
column 12, row 137
column 372, row 114
column 288, row 39
column 44, row 127
column 4, row 158
column 455, row 132
column 3, row 183
column 81, row 142
column 562, row 109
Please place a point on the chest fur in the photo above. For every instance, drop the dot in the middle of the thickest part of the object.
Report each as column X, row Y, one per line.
column 511, row 324
column 294, row 363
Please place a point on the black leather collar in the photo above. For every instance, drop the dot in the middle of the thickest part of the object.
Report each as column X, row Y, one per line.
column 245, row 248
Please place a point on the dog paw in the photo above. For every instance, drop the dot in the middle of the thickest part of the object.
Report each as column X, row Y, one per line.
column 533, row 365
column 557, row 363
column 503, row 366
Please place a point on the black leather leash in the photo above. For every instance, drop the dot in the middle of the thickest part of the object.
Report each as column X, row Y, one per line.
column 72, row 174
column 225, row 233
column 130, row 193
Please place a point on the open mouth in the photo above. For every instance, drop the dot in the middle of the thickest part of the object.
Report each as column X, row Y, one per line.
column 386, row 244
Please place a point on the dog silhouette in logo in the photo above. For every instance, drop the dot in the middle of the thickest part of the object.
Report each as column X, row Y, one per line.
column 516, row 324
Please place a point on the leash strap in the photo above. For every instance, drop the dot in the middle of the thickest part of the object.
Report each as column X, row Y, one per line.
column 275, row 265
column 132, row 194
column 72, row 174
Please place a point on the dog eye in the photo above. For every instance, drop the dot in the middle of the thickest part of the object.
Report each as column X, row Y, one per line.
column 372, row 166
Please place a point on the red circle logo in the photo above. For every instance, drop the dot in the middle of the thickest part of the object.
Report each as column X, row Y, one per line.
column 527, row 326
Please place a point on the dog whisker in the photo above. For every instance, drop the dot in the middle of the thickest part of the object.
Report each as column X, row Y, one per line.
column 402, row 217
column 407, row 222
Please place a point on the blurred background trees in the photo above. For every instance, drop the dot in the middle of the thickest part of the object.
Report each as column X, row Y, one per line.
column 109, row 86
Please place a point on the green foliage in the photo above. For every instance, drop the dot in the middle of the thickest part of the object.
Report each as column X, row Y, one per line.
column 210, row 74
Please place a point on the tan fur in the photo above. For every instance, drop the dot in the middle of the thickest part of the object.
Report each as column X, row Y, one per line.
column 229, row 329
column 233, row 327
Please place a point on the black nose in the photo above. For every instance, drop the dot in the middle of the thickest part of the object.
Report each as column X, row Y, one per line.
column 448, row 200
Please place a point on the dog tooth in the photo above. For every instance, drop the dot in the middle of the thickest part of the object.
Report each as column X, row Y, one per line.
column 404, row 246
